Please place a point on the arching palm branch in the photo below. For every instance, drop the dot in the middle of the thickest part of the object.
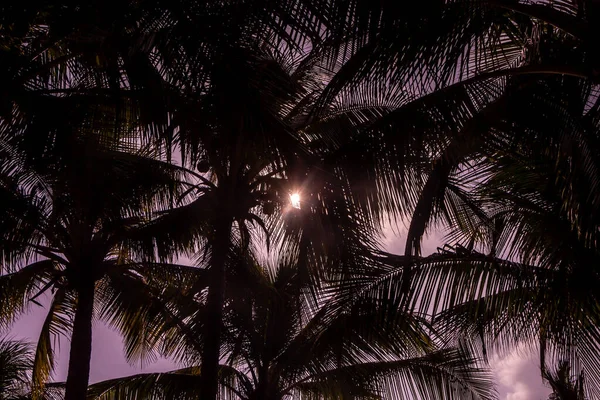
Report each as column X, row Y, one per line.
column 443, row 43
column 489, row 51
column 540, row 195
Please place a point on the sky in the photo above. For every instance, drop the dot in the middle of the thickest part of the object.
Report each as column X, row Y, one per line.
column 518, row 377
column 517, row 373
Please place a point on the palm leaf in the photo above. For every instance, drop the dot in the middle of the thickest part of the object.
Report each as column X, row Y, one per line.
column 57, row 323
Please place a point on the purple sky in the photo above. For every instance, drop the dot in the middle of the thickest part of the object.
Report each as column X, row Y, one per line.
column 517, row 374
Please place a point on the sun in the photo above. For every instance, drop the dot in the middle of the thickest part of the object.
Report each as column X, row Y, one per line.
column 295, row 199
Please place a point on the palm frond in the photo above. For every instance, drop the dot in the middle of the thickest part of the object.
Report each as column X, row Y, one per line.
column 16, row 361
column 445, row 374
column 179, row 384
column 18, row 288
column 58, row 322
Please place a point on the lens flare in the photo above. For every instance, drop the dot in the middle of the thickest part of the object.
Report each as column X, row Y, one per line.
column 295, row 199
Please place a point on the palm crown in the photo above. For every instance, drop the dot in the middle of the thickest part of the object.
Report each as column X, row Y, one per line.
column 277, row 345
column 70, row 222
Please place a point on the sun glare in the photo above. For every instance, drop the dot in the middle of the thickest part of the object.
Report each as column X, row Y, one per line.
column 295, row 199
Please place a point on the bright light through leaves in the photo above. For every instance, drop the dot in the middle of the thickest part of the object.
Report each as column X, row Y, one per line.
column 295, row 199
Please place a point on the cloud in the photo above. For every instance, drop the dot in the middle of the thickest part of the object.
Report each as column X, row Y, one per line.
column 518, row 377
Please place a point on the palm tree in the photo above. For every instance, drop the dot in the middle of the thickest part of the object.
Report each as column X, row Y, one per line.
column 70, row 225
column 540, row 200
column 277, row 346
column 502, row 302
column 267, row 128
column 533, row 278
column 278, row 120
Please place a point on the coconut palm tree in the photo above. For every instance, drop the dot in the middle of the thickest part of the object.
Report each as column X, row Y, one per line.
column 540, row 199
column 252, row 160
column 70, row 226
column 525, row 271
column 272, row 124
column 278, row 345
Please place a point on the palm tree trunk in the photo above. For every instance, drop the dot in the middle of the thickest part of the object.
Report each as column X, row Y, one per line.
column 81, row 343
column 214, row 309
